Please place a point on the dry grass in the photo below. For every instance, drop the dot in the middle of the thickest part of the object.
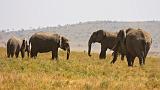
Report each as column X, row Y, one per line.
column 80, row 72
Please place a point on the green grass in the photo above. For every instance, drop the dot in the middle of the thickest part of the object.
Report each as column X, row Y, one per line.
column 79, row 72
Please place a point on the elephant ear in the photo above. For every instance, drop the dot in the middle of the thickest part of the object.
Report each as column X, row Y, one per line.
column 100, row 35
column 121, row 34
column 62, row 42
column 120, row 40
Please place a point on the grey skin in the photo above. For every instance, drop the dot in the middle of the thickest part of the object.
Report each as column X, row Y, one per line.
column 42, row 42
column 107, row 41
column 135, row 43
column 16, row 45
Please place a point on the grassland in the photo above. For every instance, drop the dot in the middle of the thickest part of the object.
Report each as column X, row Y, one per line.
column 79, row 73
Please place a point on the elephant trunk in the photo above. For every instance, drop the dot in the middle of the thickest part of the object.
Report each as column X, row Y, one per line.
column 23, row 48
column 116, row 44
column 68, row 52
column 89, row 47
column 120, row 43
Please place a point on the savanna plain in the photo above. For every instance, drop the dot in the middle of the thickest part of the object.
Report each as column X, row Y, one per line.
column 80, row 72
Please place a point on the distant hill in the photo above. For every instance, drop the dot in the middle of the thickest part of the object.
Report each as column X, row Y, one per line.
column 79, row 33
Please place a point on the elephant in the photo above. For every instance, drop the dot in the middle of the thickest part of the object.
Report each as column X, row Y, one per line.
column 107, row 41
column 42, row 42
column 16, row 45
column 134, row 43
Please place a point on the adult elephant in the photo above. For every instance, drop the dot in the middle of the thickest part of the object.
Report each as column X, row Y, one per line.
column 107, row 41
column 47, row 41
column 16, row 45
column 135, row 42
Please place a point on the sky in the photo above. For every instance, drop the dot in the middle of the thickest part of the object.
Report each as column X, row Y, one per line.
column 18, row 14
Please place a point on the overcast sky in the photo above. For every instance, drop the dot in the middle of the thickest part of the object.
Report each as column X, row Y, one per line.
column 34, row 13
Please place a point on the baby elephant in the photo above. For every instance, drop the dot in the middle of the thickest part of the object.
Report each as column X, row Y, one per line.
column 16, row 45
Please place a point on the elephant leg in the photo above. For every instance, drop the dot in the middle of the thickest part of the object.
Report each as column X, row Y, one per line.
column 141, row 57
column 12, row 54
column 147, row 49
column 132, row 60
column 144, row 59
column 122, row 57
column 17, row 54
column 53, row 55
column 56, row 54
column 140, row 61
column 28, row 54
column 102, row 54
column 22, row 54
column 129, row 60
column 115, row 55
column 35, row 55
column 8, row 53
column 32, row 54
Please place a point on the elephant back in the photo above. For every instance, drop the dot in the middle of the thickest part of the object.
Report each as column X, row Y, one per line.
column 140, row 34
column 111, row 34
column 15, row 41
column 46, row 35
column 136, row 34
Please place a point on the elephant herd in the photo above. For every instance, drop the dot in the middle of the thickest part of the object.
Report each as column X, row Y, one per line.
column 131, row 43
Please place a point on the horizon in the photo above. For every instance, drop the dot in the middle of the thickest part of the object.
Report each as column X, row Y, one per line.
column 26, row 14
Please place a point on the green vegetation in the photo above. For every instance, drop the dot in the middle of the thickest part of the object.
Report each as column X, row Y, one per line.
column 79, row 72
